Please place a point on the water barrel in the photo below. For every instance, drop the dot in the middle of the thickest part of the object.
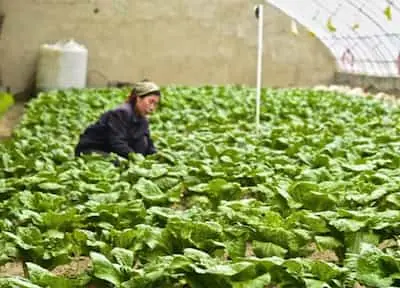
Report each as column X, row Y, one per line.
column 62, row 65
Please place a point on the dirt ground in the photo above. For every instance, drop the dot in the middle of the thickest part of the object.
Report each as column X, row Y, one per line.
column 76, row 267
column 11, row 270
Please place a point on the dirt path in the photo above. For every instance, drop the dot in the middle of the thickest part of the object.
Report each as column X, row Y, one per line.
column 10, row 119
column 76, row 267
column 12, row 269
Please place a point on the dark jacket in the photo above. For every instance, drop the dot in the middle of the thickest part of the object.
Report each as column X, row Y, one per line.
column 117, row 131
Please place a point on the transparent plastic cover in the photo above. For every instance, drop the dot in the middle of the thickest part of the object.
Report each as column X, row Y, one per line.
column 363, row 35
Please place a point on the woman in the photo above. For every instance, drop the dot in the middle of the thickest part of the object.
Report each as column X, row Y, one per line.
column 125, row 129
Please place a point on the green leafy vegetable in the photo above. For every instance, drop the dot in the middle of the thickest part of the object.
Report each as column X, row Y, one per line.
column 218, row 205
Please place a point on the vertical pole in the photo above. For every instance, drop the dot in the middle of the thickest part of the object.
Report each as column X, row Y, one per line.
column 260, row 16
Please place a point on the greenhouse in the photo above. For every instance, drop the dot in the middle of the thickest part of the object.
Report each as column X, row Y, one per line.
column 191, row 144
column 364, row 36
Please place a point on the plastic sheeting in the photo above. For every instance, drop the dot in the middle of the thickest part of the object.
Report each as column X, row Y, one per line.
column 363, row 35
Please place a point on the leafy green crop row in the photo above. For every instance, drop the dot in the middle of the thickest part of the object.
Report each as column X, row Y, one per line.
column 218, row 206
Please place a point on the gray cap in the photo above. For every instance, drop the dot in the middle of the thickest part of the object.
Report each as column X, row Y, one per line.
column 145, row 87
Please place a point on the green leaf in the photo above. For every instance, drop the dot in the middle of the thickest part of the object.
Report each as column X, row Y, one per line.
column 312, row 34
column 262, row 249
column 221, row 189
column 355, row 27
column 368, row 268
column 17, row 283
column 295, row 266
column 224, row 269
column 45, row 278
column 311, row 197
column 394, row 198
column 202, row 235
column 348, row 225
column 180, row 263
column 123, row 257
column 175, row 193
column 212, row 150
column 165, row 183
column 330, row 26
column 327, row 242
column 355, row 241
column 289, row 199
column 196, row 255
column 51, row 186
column 309, row 221
column 104, row 269
column 359, row 167
column 321, row 160
column 149, row 190
column 373, row 196
column 303, row 187
column 259, row 282
column 388, row 12
column 157, row 171
column 312, row 283
column 326, row 271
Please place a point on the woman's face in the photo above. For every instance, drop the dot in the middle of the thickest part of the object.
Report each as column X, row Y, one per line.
column 146, row 105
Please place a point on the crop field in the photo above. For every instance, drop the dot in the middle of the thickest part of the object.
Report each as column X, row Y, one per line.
column 311, row 201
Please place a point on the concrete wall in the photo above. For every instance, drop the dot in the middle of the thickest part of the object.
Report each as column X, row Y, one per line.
column 373, row 84
column 191, row 42
column 1, row 46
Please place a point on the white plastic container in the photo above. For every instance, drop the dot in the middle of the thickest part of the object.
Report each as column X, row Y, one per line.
column 61, row 66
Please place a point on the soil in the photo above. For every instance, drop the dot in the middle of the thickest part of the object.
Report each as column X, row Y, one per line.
column 12, row 269
column 326, row 255
column 76, row 267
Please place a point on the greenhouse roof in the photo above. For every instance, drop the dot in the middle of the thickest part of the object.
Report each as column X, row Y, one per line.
column 363, row 35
